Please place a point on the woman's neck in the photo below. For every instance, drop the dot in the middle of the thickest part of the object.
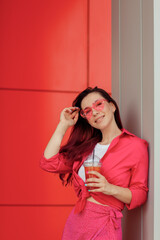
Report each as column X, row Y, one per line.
column 109, row 134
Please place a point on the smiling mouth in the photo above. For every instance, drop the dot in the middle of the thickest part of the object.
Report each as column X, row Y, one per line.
column 99, row 119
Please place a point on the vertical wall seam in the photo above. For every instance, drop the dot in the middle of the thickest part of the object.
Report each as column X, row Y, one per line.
column 141, row 70
column 154, row 123
column 120, row 57
column 141, row 78
column 88, row 40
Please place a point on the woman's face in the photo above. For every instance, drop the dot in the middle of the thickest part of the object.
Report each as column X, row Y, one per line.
column 99, row 119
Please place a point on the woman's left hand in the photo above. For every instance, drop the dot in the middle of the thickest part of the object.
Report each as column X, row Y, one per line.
column 99, row 182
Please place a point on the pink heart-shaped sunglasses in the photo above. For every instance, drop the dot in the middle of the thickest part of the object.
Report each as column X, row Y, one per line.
column 98, row 105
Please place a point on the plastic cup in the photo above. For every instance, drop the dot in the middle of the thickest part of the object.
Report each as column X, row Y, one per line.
column 89, row 165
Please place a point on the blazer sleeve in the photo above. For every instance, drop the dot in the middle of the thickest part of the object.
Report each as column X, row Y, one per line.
column 55, row 164
column 139, row 176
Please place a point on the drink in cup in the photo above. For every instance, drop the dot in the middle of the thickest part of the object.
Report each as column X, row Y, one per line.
column 89, row 165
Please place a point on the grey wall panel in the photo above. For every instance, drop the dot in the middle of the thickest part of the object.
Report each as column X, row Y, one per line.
column 130, row 48
column 132, row 83
column 156, row 119
column 148, row 111
column 130, row 45
column 116, row 51
column 128, row 84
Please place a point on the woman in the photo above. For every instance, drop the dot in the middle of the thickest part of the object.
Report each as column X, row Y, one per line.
column 97, row 129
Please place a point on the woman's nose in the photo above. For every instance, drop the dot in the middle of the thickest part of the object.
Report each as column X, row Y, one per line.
column 95, row 112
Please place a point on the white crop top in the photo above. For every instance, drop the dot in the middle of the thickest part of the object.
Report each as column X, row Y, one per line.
column 99, row 152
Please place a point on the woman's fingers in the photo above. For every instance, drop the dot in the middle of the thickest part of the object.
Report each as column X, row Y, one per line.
column 74, row 113
column 70, row 115
column 92, row 179
column 97, row 174
column 98, row 183
column 71, row 112
column 71, row 109
column 93, row 184
column 96, row 190
column 76, row 117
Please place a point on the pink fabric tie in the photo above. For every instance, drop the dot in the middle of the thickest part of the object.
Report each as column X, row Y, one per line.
column 111, row 225
column 82, row 194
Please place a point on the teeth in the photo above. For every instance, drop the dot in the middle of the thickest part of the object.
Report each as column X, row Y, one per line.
column 99, row 118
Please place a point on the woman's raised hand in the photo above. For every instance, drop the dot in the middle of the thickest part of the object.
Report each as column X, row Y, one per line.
column 69, row 116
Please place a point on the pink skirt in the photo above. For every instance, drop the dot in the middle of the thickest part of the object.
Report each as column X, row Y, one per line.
column 95, row 222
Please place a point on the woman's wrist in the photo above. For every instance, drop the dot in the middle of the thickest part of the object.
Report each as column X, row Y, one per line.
column 121, row 193
column 113, row 190
column 62, row 127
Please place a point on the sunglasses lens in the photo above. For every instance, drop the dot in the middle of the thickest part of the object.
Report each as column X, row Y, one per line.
column 82, row 113
column 99, row 105
column 87, row 113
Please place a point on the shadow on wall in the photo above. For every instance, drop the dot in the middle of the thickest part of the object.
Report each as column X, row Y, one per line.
column 132, row 118
column 130, row 218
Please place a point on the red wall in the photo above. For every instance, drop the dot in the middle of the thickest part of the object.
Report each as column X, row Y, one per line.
column 50, row 50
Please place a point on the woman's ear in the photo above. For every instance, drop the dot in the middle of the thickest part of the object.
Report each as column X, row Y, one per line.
column 112, row 106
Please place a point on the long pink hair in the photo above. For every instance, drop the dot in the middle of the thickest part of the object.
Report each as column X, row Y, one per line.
column 83, row 136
